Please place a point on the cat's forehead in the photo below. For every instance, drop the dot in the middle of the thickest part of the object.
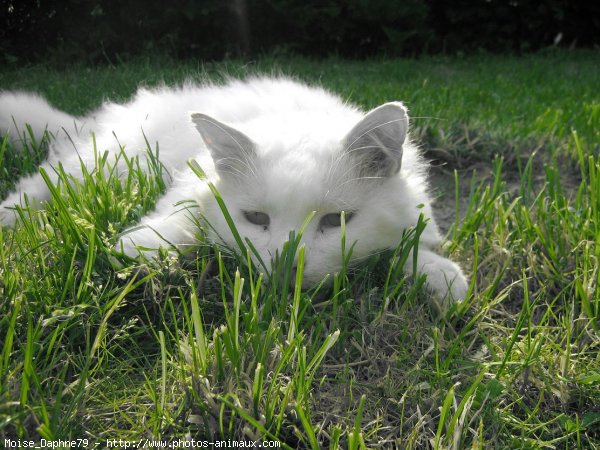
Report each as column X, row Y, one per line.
column 296, row 170
column 299, row 159
column 309, row 130
column 299, row 182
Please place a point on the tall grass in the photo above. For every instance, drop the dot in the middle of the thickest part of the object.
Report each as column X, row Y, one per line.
column 209, row 347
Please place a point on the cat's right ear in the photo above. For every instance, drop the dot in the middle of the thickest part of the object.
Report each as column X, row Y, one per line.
column 375, row 143
column 232, row 151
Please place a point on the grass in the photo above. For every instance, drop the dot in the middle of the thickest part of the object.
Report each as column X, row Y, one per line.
column 206, row 348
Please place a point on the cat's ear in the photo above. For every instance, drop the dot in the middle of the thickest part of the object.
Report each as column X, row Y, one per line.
column 232, row 151
column 375, row 143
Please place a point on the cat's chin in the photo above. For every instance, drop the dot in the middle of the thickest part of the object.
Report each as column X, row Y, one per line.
column 309, row 281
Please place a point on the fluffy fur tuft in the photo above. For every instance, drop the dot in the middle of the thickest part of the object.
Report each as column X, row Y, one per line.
column 276, row 150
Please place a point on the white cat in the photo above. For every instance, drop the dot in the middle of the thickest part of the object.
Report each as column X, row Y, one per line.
column 276, row 150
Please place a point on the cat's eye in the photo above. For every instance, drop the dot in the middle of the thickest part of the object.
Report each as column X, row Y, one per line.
column 258, row 218
column 334, row 220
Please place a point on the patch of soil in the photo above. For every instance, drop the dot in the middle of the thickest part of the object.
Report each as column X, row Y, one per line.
column 442, row 187
column 442, row 183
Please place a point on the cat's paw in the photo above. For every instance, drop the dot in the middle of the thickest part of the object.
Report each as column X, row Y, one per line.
column 142, row 242
column 449, row 285
column 8, row 216
column 136, row 242
column 142, row 247
column 449, row 281
column 444, row 278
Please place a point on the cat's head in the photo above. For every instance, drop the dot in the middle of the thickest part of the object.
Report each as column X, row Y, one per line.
column 273, row 181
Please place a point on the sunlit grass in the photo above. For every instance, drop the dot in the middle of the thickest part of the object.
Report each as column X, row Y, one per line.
column 210, row 347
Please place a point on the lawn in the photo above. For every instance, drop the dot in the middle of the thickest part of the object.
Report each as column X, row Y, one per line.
column 206, row 348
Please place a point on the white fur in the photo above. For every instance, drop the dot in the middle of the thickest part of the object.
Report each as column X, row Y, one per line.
column 304, row 158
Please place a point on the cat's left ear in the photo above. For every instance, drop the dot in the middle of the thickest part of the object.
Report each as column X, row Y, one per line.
column 375, row 143
column 231, row 150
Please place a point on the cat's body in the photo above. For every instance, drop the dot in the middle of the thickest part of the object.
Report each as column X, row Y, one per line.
column 276, row 150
